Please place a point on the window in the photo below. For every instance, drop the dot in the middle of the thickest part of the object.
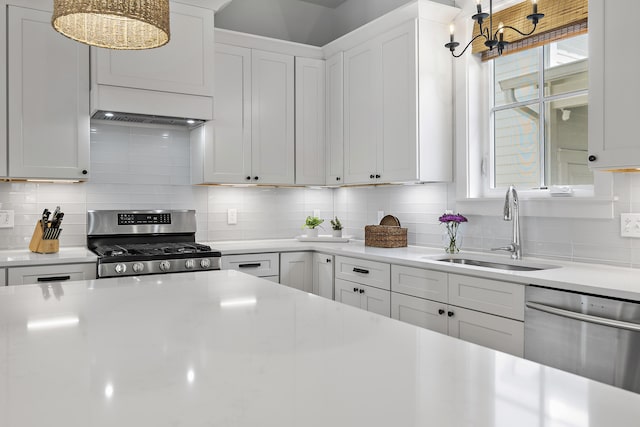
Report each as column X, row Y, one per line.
column 539, row 116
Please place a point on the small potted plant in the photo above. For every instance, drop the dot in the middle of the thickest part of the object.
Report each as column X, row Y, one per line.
column 311, row 224
column 336, row 226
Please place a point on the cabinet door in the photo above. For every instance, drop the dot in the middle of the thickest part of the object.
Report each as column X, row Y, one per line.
column 398, row 157
column 335, row 120
column 296, row 270
column 375, row 300
column 420, row 312
column 347, row 292
column 230, row 153
column 361, row 113
column 323, row 275
column 184, row 65
column 51, row 273
column 613, row 85
column 272, row 93
column 310, row 122
column 48, row 99
column 490, row 331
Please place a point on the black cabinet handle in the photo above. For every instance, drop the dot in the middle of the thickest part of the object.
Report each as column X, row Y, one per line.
column 84, row 172
column 252, row 265
column 337, row 178
column 372, row 176
column 362, row 291
column 355, row 289
column 54, row 279
column 450, row 313
column 328, row 259
column 255, row 178
column 592, row 158
column 360, row 270
column 441, row 312
column 248, row 178
column 377, row 176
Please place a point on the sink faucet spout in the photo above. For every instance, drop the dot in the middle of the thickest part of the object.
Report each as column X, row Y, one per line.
column 512, row 213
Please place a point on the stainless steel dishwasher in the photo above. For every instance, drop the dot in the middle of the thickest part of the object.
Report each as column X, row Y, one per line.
column 596, row 337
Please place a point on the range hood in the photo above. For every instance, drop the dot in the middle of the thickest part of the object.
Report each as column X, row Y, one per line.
column 115, row 116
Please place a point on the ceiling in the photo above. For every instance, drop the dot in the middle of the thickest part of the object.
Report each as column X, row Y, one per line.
column 326, row 3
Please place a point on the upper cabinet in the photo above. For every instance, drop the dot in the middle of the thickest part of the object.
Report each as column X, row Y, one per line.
column 398, row 97
column 47, row 99
column 173, row 80
column 613, row 86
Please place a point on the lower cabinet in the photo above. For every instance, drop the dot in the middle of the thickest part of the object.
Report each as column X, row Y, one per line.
column 362, row 296
column 323, row 275
column 50, row 273
column 296, row 270
column 3, row 276
column 266, row 266
column 481, row 311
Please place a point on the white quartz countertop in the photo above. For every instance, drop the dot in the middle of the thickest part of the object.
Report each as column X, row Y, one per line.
column 226, row 349
column 597, row 279
column 24, row 257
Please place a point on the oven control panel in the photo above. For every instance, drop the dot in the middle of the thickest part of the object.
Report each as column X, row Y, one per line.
column 144, row 218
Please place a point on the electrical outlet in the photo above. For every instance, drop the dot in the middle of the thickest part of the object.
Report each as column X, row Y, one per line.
column 232, row 216
column 6, row 219
column 630, row 225
column 316, row 213
column 380, row 216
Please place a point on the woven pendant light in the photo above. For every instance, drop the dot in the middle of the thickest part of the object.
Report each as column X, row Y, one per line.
column 113, row 24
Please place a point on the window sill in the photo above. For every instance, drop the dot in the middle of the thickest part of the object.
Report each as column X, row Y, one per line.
column 548, row 207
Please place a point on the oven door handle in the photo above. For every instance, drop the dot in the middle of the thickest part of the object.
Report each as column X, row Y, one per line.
column 584, row 317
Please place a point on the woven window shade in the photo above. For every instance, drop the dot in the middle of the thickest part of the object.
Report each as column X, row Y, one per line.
column 562, row 19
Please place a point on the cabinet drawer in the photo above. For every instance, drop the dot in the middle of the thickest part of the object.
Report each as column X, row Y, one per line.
column 490, row 296
column 260, row 265
column 376, row 274
column 419, row 283
column 490, row 331
column 419, row 312
column 51, row 273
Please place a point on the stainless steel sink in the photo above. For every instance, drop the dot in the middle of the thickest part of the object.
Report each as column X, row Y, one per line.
column 495, row 265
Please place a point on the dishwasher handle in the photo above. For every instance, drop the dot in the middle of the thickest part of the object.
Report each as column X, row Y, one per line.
column 584, row 317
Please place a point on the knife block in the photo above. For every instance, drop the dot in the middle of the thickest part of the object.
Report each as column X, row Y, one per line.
column 40, row 245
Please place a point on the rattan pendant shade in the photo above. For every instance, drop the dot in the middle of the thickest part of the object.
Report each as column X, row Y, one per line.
column 113, row 24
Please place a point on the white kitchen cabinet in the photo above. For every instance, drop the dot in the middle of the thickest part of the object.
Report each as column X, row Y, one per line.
column 613, row 86
column 310, row 121
column 482, row 311
column 265, row 265
column 334, row 119
column 252, row 138
column 173, row 80
column 47, row 97
column 396, row 130
column 323, row 275
column 3, row 276
column 272, row 121
column 296, row 270
column 362, row 296
column 371, row 273
column 50, row 273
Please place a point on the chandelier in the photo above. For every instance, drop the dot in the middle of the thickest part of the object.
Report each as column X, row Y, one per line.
column 493, row 39
column 113, row 24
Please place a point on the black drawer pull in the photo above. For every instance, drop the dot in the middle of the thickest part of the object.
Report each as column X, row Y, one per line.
column 450, row 313
column 362, row 291
column 441, row 312
column 355, row 289
column 251, row 265
column 54, row 279
column 360, row 270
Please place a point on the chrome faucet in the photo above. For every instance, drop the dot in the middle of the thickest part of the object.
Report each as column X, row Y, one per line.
column 512, row 213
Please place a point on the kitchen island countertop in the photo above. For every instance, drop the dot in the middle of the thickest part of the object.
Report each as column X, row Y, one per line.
column 226, row 349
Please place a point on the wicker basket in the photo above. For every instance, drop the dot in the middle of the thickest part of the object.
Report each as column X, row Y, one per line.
column 385, row 236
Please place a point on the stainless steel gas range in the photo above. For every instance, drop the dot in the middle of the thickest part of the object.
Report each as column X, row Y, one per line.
column 132, row 243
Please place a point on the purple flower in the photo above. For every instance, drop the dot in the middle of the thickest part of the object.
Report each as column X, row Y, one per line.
column 457, row 218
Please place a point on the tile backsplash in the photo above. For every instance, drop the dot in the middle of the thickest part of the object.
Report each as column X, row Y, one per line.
column 135, row 167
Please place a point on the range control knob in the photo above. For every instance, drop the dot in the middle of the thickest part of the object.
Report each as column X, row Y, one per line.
column 121, row 268
column 138, row 267
column 165, row 265
column 205, row 263
column 189, row 264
